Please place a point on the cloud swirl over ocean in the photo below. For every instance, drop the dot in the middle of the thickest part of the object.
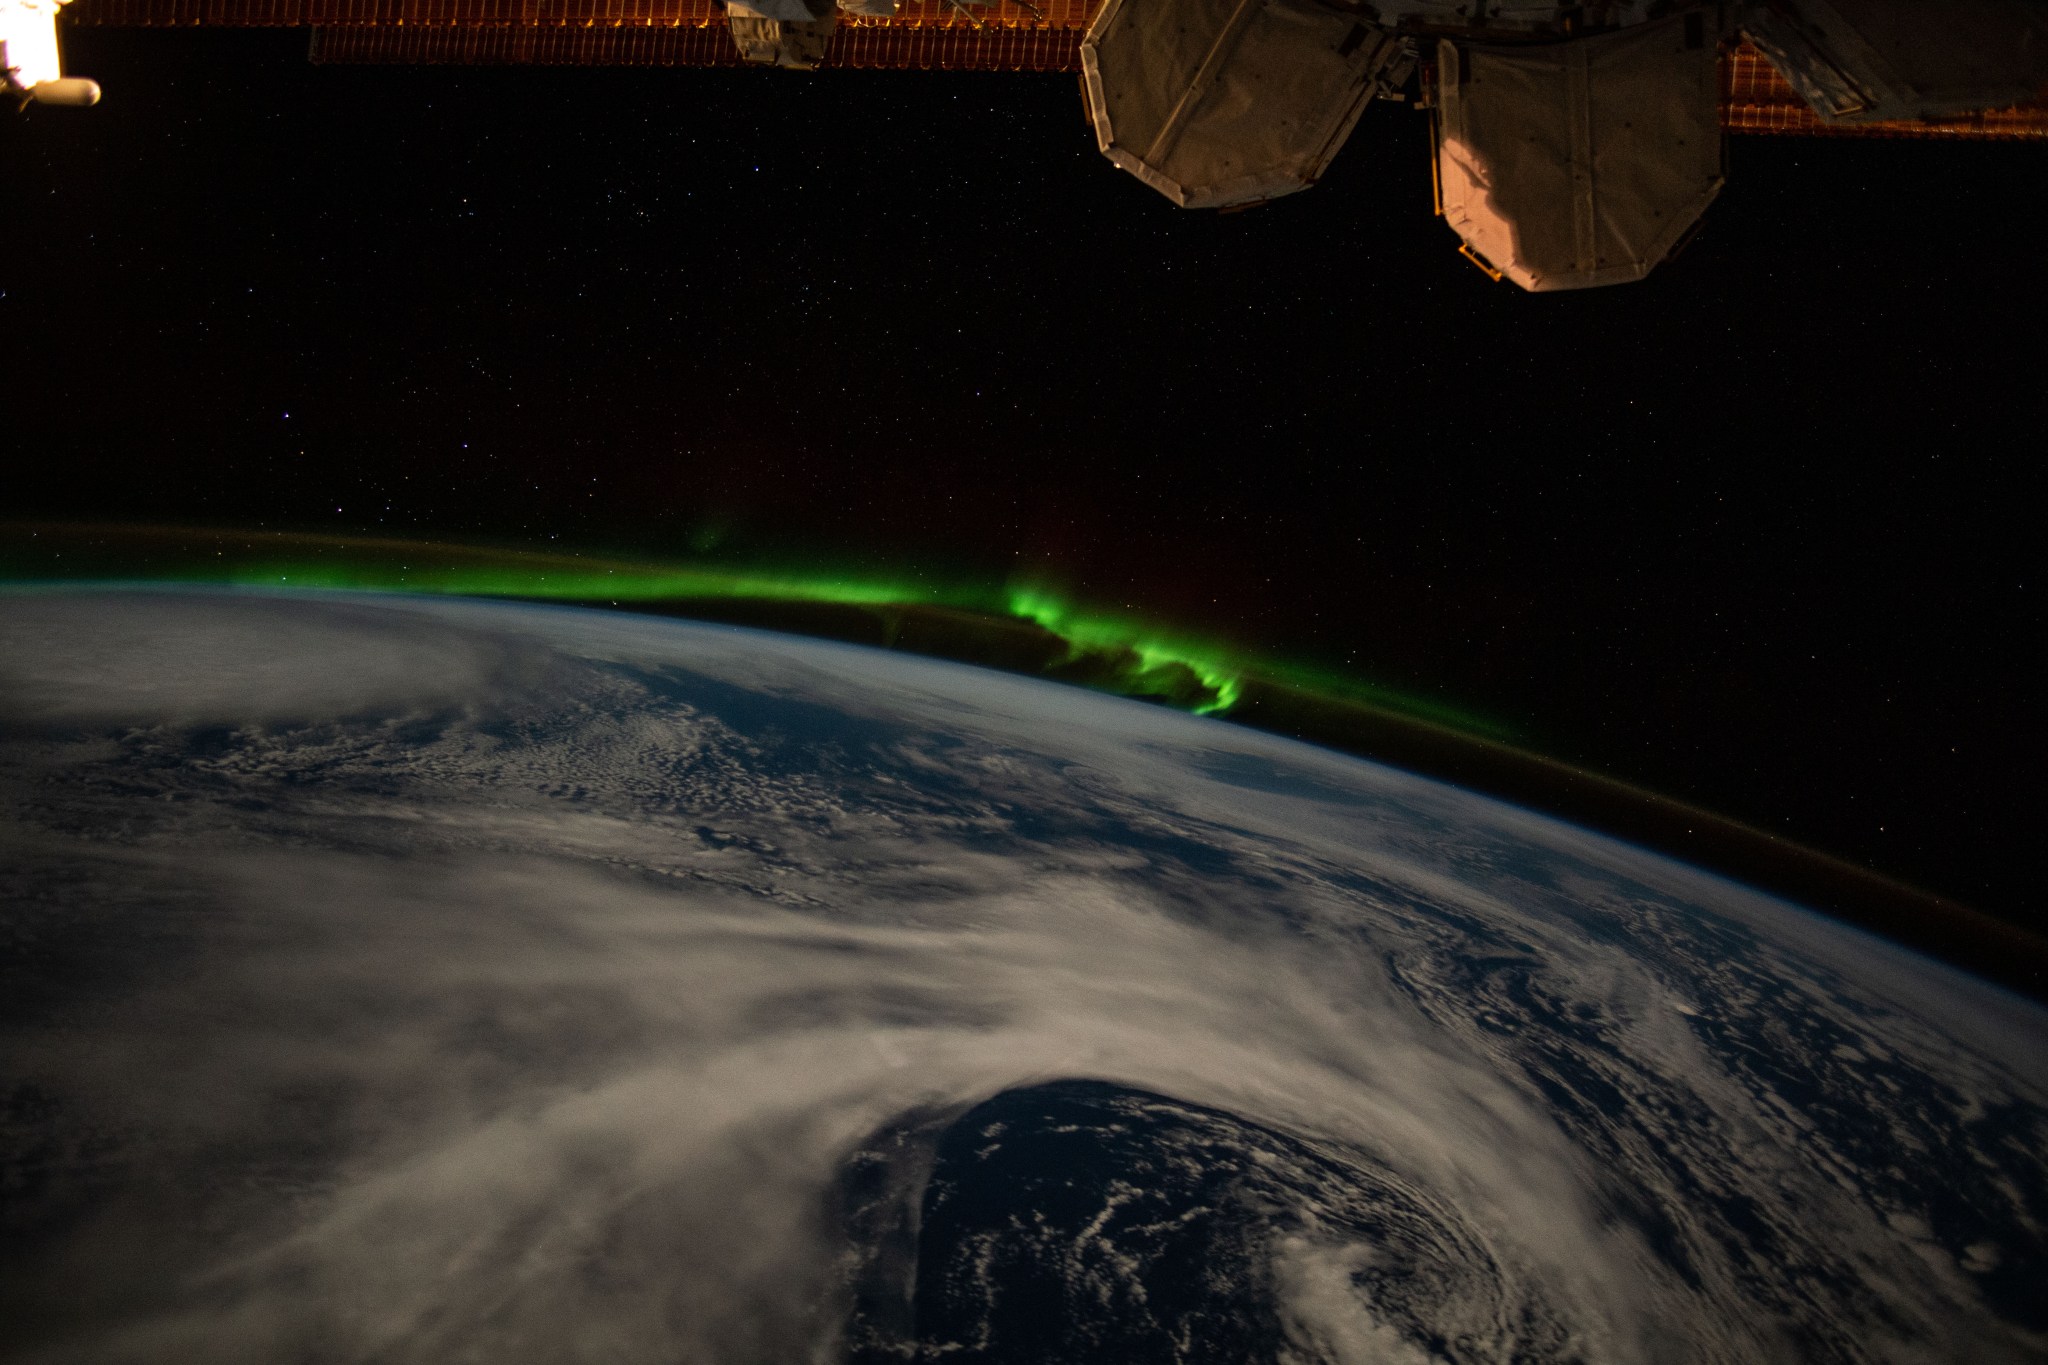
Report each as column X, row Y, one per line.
column 406, row 981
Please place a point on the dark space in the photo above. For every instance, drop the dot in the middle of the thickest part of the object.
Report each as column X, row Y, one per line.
column 1758, row 534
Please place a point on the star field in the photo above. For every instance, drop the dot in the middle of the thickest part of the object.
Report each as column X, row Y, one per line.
column 1757, row 533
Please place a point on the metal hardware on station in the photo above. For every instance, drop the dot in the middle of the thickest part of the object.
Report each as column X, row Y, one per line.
column 1224, row 103
column 1572, row 144
column 1568, row 165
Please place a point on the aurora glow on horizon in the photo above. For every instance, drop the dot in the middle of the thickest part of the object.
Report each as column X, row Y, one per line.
column 1097, row 647
column 1033, row 629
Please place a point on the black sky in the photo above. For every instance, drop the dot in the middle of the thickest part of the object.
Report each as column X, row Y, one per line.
column 1761, row 533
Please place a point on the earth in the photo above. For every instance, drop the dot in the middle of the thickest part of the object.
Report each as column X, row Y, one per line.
column 395, row 980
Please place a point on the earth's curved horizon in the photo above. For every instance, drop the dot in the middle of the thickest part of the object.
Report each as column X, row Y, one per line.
column 409, row 980
column 1026, row 625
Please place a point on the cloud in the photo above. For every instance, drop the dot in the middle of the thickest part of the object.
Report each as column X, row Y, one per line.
column 229, row 657
column 543, row 1031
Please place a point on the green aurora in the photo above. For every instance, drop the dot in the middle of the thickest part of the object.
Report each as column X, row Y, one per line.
column 1080, row 643
column 1034, row 628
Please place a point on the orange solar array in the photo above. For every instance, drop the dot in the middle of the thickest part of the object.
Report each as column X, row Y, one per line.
column 1059, row 15
column 924, row 35
column 1756, row 99
column 868, row 46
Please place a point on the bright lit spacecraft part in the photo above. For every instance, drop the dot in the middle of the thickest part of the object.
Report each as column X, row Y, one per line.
column 74, row 91
column 1220, row 103
column 29, row 59
column 1568, row 165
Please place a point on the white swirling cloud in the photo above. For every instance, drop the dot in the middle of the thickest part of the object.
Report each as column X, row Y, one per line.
column 503, row 984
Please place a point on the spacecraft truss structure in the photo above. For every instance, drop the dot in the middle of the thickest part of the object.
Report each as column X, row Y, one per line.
column 922, row 35
column 1574, row 144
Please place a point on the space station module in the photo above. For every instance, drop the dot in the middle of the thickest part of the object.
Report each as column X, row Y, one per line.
column 793, row 33
column 1575, row 144
column 30, row 67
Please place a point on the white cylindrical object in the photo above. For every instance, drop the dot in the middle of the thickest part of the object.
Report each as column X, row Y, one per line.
column 69, row 90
